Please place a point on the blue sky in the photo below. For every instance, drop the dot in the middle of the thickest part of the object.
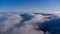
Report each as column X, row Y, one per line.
column 28, row 5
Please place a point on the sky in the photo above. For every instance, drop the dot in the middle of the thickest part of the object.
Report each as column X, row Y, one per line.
column 29, row 5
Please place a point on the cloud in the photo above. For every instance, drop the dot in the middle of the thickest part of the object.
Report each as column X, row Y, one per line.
column 24, row 23
column 9, row 23
column 52, row 26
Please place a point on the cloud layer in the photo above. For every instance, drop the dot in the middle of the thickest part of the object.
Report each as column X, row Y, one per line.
column 23, row 23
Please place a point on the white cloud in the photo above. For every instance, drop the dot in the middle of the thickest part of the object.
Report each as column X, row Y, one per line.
column 9, row 23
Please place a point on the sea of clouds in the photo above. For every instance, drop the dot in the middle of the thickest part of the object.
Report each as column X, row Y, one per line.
column 29, row 23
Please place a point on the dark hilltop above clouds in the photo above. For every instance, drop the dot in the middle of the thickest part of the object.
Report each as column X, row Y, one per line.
column 29, row 23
